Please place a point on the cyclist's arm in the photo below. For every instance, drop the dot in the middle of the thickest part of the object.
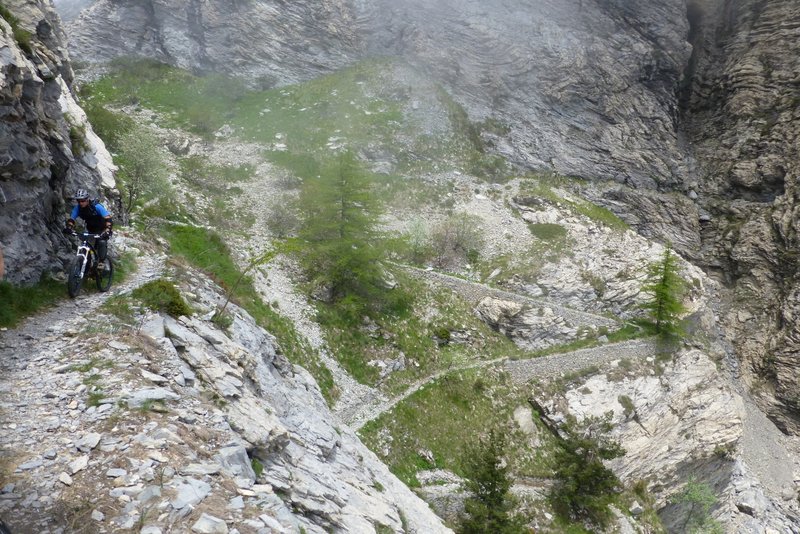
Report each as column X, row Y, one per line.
column 103, row 212
column 72, row 217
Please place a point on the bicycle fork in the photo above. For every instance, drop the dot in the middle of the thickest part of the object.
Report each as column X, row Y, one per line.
column 85, row 253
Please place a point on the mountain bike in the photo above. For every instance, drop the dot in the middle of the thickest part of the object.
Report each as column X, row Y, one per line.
column 86, row 265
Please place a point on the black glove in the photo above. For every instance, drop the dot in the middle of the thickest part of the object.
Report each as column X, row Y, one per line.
column 67, row 230
column 106, row 234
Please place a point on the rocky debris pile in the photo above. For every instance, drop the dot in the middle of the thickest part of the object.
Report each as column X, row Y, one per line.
column 530, row 328
column 181, row 425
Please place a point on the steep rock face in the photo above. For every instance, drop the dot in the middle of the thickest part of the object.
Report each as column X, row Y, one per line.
column 587, row 88
column 741, row 112
column 685, row 422
column 46, row 146
column 267, row 42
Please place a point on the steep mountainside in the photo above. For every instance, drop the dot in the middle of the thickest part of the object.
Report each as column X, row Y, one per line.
column 586, row 87
column 685, row 114
column 682, row 118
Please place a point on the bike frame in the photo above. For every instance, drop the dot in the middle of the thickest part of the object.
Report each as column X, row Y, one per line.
column 86, row 250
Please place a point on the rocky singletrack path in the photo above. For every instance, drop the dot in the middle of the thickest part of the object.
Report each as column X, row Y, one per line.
column 34, row 334
column 36, row 414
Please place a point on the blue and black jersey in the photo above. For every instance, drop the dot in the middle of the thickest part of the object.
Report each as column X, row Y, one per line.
column 94, row 215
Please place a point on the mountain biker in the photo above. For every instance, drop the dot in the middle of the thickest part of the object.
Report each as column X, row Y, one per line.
column 96, row 218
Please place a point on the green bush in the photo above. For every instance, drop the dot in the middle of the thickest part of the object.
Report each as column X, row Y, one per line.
column 162, row 295
column 77, row 136
column 257, row 466
column 698, row 499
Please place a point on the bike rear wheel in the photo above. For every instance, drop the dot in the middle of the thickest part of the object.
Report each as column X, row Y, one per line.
column 105, row 273
column 75, row 278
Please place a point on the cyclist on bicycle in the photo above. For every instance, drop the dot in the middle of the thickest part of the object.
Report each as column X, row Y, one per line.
column 96, row 218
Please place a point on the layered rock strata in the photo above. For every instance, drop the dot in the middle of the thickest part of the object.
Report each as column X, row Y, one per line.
column 741, row 113
column 268, row 42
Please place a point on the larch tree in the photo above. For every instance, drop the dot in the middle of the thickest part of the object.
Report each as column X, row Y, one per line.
column 665, row 287
column 338, row 234
column 489, row 508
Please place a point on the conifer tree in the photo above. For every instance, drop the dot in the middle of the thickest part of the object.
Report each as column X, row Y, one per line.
column 666, row 288
column 339, row 233
column 698, row 498
column 584, row 485
column 489, row 507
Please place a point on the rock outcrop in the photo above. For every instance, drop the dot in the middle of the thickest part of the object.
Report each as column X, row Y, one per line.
column 47, row 148
column 269, row 43
column 685, row 422
column 160, row 428
column 740, row 110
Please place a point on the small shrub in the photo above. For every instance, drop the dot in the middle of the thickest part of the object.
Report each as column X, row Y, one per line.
column 442, row 335
column 162, row 295
column 222, row 320
column 257, row 466
column 21, row 35
column 627, row 405
column 698, row 498
column 77, row 136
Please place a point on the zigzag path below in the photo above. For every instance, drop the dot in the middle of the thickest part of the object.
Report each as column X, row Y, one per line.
column 521, row 371
column 474, row 292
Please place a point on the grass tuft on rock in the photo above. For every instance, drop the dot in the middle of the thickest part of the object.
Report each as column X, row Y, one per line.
column 162, row 295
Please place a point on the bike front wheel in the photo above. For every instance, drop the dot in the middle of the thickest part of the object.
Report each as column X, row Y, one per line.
column 105, row 272
column 75, row 278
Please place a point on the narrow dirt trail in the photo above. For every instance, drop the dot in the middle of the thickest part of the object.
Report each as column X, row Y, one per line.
column 34, row 335
column 521, row 371
column 36, row 415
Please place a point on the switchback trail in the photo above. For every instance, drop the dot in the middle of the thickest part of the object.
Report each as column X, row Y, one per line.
column 521, row 371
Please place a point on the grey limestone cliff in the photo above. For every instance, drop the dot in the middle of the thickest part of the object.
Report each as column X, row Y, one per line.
column 46, row 146
column 741, row 114
column 266, row 42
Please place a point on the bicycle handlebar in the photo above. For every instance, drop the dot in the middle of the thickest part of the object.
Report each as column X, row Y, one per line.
column 86, row 235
